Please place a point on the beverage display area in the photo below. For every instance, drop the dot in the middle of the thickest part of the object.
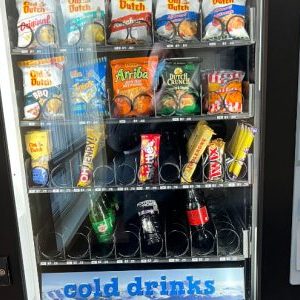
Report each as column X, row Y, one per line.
column 145, row 227
column 139, row 132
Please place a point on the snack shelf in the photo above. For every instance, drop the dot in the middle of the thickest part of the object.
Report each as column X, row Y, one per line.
column 173, row 119
column 230, row 258
column 53, row 190
column 114, row 48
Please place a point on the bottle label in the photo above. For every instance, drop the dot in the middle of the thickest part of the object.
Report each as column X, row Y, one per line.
column 197, row 216
column 104, row 229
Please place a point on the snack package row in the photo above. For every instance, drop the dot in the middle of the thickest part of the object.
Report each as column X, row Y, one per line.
column 200, row 145
column 130, row 21
column 141, row 86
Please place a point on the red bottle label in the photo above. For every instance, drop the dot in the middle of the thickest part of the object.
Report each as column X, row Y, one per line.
column 198, row 216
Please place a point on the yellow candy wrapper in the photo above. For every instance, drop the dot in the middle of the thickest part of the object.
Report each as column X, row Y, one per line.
column 39, row 147
column 239, row 146
column 197, row 144
column 94, row 135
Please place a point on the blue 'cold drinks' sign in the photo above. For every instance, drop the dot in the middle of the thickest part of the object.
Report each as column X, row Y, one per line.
column 185, row 284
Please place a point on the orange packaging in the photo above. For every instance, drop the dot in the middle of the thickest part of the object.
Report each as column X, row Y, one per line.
column 225, row 93
column 133, row 86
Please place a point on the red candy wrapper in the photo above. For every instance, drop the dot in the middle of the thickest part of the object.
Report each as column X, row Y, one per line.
column 150, row 145
column 215, row 152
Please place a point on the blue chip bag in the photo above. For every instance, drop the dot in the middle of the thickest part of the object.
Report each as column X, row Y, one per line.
column 88, row 88
column 224, row 19
column 84, row 20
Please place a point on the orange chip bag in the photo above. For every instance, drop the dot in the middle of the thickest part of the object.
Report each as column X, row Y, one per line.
column 133, row 86
column 225, row 94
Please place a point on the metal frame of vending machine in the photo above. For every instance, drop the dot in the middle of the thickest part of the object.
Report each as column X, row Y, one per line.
column 11, row 270
column 250, row 236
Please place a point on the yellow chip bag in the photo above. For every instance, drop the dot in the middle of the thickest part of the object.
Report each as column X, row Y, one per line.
column 39, row 147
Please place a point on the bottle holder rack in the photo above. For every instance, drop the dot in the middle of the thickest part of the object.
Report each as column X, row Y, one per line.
column 177, row 242
column 123, row 172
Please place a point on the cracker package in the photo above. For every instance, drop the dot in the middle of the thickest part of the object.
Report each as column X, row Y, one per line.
column 133, row 86
column 84, row 21
column 88, row 88
column 131, row 22
column 177, row 21
column 37, row 23
column 224, row 19
column 39, row 147
column 179, row 92
column 42, row 82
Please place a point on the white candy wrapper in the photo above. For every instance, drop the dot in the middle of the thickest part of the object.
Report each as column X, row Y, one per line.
column 131, row 22
column 224, row 19
column 36, row 24
column 84, row 20
column 177, row 20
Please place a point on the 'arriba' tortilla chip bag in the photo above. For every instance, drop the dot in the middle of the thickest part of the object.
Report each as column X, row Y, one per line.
column 133, row 86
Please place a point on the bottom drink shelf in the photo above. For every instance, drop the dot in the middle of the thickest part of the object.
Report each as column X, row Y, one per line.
column 229, row 258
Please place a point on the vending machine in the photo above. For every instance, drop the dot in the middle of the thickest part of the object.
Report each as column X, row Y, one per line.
column 134, row 130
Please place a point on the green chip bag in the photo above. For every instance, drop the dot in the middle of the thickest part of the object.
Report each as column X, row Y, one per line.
column 179, row 86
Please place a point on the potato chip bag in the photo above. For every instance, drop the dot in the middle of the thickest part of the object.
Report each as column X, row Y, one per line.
column 180, row 86
column 133, row 86
column 42, row 82
column 177, row 20
column 37, row 23
column 88, row 88
column 84, row 21
column 224, row 91
column 224, row 19
column 131, row 22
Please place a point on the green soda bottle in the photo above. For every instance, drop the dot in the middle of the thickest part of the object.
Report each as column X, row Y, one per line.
column 102, row 218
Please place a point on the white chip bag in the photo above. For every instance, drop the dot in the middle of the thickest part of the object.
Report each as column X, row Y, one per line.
column 131, row 21
column 36, row 24
column 224, row 19
column 42, row 82
column 177, row 20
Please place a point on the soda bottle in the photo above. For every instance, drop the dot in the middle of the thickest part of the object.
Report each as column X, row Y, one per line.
column 102, row 218
column 202, row 227
column 151, row 231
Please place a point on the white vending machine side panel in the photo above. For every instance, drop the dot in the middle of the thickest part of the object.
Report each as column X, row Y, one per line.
column 17, row 161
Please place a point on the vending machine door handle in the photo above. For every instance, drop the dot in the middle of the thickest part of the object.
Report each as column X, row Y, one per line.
column 4, row 272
